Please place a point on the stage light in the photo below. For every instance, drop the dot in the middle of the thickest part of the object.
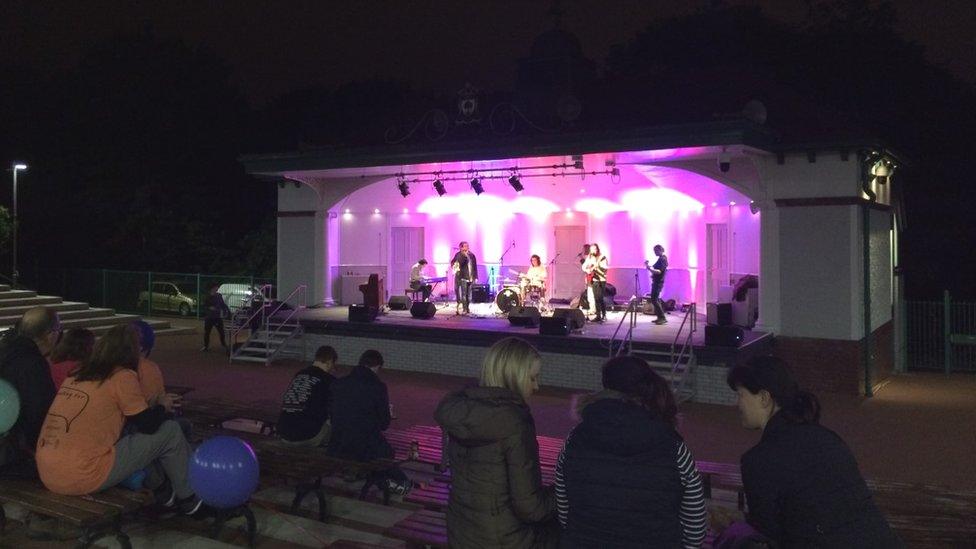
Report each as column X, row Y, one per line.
column 732, row 203
column 348, row 210
column 516, row 184
column 376, row 211
column 476, row 186
column 404, row 188
column 439, row 187
column 714, row 204
column 406, row 211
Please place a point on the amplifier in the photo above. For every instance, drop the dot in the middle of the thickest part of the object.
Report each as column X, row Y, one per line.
column 479, row 293
column 527, row 317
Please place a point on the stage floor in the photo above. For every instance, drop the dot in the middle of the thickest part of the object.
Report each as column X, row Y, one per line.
column 483, row 327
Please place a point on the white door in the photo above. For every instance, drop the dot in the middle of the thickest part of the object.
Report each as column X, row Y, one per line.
column 567, row 280
column 407, row 247
column 717, row 263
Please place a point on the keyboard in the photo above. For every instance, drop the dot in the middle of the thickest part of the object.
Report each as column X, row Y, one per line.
column 435, row 279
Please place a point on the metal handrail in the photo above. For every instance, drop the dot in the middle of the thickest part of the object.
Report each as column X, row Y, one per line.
column 686, row 347
column 628, row 339
column 302, row 289
column 265, row 291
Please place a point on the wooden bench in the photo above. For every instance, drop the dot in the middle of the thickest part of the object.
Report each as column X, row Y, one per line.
column 96, row 516
column 306, row 466
column 425, row 528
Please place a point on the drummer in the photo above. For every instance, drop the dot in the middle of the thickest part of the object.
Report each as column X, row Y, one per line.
column 536, row 275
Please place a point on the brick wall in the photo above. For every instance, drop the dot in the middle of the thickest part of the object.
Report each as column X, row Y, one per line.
column 710, row 385
column 834, row 366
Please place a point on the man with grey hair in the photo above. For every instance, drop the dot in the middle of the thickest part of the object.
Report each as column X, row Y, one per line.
column 23, row 365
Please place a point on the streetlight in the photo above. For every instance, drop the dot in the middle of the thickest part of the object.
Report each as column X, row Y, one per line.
column 13, row 274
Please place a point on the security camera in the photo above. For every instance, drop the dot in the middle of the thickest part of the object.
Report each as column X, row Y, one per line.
column 724, row 162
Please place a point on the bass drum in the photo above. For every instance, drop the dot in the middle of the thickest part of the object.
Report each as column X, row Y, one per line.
column 507, row 300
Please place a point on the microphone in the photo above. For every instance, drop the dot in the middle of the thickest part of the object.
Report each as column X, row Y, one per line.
column 513, row 243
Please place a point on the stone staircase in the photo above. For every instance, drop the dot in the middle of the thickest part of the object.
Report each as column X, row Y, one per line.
column 13, row 304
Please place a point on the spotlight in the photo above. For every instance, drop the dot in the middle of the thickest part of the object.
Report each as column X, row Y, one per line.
column 476, row 186
column 515, row 183
column 404, row 188
column 439, row 187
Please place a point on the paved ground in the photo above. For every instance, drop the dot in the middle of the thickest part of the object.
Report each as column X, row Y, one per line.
column 919, row 427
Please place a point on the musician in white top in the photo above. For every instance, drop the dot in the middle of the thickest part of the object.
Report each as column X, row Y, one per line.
column 595, row 266
column 418, row 279
column 536, row 275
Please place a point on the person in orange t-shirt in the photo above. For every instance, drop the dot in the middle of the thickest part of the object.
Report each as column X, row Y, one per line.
column 79, row 451
column 73, row 349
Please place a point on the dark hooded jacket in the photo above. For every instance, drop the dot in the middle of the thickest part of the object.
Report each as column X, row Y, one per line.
column 497, row 499
column 621, row 478
column 360, row 412
column 25, row 368
column 804, row 489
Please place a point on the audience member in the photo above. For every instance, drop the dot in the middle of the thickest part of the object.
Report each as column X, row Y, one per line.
column 73, row 349
column 802, row 483
column 360, row 413
column 304, row 419
column 214, row 310
column 625, row 478
column 497, row 498
column 24, row 366
column 79, row 450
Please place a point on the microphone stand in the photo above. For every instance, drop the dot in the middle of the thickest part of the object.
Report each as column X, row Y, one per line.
column 502, row 258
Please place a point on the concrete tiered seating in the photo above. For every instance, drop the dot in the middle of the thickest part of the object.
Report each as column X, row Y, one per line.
column 13, row 303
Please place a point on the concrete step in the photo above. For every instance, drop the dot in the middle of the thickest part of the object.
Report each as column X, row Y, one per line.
column 247, row 358
column 29, row 301
column 13, row 294
column 63, row 315
column 62, row 306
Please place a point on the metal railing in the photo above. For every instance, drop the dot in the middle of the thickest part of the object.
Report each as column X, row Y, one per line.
column 941, row 335
column 627, row 340
column 243, row 321
column 686, row 354
column 272, row 332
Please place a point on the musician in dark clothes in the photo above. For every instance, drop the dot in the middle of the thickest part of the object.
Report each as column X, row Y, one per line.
column 214, row 309
column 658, row 270
column 465, row 267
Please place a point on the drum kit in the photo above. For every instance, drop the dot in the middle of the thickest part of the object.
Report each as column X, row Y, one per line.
column 521, row 292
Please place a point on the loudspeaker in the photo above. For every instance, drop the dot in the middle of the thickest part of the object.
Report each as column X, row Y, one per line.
column 554, row 325
column 423, row 309
column 723, row 336
column 575, row 317
column 524, row 316
column 399, row 303
column 479, row 293
column 362, row 313
column 718, row 314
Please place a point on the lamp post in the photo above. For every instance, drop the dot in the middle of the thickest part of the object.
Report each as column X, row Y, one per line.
column 13, row 263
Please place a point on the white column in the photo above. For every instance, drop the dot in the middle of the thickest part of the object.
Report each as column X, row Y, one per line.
column 769, row 268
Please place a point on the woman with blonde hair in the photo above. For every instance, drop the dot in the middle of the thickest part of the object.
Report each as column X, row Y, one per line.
column 497, row 498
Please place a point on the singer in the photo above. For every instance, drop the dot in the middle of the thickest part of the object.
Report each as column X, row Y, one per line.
column 464, row 265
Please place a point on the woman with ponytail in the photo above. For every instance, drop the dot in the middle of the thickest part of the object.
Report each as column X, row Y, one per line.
column 625, row 478
column 802, row 483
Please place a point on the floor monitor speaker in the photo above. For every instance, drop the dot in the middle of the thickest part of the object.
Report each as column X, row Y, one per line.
column 723, row 336
column 576, row 317
column 423, row 309
column 399, row 303
column 361, row 313
column 554, row 325
column 527, row 317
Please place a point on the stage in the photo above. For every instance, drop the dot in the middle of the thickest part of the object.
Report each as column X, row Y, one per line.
column 485, row 326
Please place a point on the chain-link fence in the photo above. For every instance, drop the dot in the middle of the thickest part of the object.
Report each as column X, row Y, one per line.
column 142, row 292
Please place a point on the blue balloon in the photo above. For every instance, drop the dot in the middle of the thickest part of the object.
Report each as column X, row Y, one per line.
column 9, row 406
column 147, row 336
column 224, row 472
column 135, row 480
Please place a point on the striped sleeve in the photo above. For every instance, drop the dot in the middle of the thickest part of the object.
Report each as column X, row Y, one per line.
column 693, row 515
column 562, row 501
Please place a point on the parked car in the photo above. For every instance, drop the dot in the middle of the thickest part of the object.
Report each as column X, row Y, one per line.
column 239, row 296
column 166, row 296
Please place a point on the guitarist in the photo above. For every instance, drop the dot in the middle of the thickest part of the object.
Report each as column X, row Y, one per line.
column 658, row 271
column 595, row 265
column 465, row 268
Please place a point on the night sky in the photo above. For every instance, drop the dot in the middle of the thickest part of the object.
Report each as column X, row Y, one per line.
column 275, row 47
